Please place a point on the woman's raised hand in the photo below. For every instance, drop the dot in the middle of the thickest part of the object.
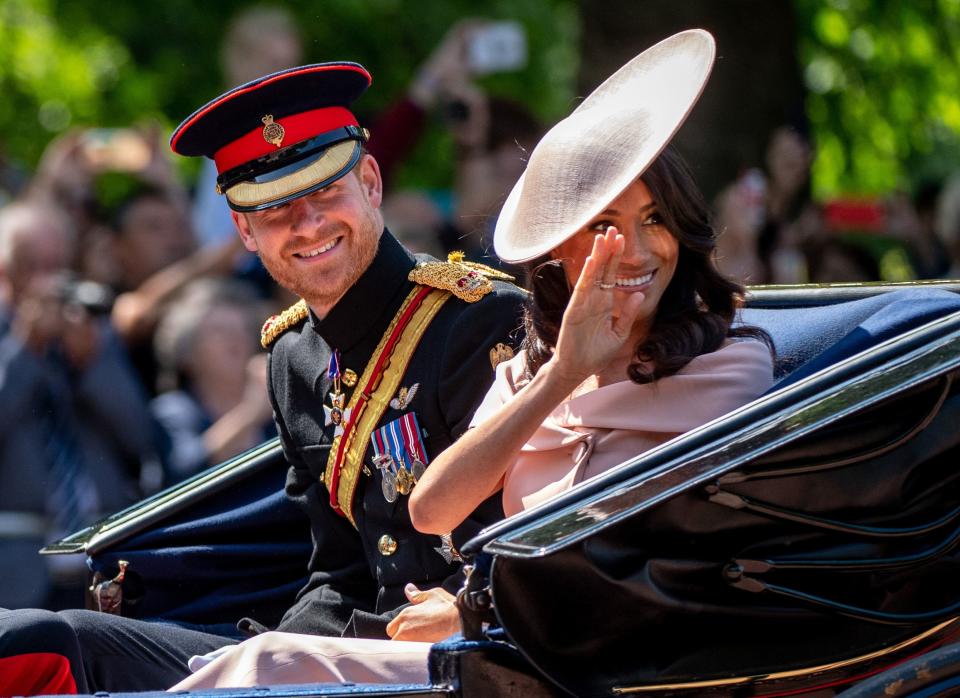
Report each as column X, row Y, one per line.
column 598, row 321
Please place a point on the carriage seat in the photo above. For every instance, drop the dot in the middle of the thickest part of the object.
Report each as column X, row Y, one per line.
column 808, row 339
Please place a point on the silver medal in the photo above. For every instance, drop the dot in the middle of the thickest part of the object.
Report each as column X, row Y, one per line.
column 418, row 469
column 389, row 486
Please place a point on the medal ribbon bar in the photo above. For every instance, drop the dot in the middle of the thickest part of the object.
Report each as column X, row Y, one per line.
column 379, row 382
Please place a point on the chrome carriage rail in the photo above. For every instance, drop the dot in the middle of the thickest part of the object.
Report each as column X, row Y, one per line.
column 130, row 521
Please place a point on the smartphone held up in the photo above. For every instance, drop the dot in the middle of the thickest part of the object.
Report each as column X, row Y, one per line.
column 120, row 149
column 497, row 47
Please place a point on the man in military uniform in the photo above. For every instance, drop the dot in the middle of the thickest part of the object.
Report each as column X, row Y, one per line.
column 378, row 368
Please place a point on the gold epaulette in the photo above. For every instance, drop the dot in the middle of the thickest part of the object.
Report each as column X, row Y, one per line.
column 276, row 325
column 468, row 281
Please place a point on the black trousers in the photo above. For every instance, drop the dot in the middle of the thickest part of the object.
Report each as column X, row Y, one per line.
column 107, row 652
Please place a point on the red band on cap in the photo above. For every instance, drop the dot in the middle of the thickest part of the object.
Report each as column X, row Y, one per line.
column 296, row 128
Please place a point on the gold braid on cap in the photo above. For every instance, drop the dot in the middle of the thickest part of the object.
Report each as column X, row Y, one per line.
column 468, row 281
column 276, row 325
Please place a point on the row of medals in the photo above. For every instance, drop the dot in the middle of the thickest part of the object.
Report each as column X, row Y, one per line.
column 395, row 479
column 399, row 481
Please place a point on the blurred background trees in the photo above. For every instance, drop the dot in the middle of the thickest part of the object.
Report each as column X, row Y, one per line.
column 74, row 63
column 877, row 81
column 883, row 82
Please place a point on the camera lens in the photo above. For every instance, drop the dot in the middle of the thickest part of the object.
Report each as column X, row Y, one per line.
column 456, row 111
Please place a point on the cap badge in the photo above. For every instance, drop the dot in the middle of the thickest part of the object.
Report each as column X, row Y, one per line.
column 272, row 131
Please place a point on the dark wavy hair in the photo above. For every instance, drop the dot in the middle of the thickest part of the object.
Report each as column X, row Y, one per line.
column 696, row 311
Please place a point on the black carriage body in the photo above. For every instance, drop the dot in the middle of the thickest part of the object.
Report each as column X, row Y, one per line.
column 807, row 539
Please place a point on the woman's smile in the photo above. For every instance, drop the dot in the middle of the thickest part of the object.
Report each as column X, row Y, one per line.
column 636, row 282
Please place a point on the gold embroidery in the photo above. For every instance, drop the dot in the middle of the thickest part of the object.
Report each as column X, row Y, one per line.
column 468, row 281
column 457, row 257
column 276, row 325
column 466, row 284
column 500, row 353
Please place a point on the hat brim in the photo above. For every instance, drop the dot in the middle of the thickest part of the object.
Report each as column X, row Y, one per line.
column 304, row 177
column 589, row 158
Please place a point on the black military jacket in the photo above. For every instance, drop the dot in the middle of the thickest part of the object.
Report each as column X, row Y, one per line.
column 357, row 575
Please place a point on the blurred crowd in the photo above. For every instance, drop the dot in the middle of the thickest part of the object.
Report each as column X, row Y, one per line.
column 129, row 310
column 773, row 232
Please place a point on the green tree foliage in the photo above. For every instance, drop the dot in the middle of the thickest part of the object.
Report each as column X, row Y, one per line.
column 51, row 79
column 884, row 92
column 69, row 63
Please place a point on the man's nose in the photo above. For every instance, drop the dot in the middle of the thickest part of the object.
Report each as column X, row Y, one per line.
column 306, row 214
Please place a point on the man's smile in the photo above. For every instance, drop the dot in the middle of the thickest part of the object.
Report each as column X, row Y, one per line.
column 317, row 251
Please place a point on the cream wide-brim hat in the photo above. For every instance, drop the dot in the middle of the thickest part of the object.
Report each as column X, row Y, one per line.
column 588, row 159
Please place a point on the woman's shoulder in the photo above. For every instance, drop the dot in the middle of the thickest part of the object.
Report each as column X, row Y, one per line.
column 745, row 363
column 745, row 352
column 717, row 382
column 512, row 373
column 509, row 378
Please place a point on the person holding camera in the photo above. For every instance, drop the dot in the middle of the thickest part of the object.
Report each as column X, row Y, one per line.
column 215, row 403
column 67, row 453
column 491, row 137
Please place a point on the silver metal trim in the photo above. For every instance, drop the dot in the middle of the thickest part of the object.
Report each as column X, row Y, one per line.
column 829, row 294
column 134, row 519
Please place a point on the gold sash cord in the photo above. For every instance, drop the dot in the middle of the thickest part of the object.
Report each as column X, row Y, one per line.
column 378, row 383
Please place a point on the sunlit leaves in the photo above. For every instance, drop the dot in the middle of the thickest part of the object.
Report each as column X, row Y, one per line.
column 52, row 77
column 67, row 63
column 831, row 27
column 884, row 81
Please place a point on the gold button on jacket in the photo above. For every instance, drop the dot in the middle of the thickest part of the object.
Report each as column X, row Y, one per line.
column 387, row 545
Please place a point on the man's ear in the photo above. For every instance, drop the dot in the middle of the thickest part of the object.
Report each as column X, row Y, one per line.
column 243, row 230
column 370, row 180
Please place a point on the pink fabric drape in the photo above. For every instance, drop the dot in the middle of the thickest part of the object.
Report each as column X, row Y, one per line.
column 591, row 433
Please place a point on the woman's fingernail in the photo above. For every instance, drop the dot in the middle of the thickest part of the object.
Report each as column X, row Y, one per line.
column 411, row 589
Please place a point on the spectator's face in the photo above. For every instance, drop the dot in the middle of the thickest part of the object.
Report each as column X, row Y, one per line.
column 223, row 345
column 39, row 251
column 788, row 160
column 261, row 54
column 650, row 251
column 415, row 221
column 154, row 235
column 317, row 246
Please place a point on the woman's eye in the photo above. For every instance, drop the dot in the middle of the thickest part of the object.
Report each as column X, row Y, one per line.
column 600, row 226
column 653, row 219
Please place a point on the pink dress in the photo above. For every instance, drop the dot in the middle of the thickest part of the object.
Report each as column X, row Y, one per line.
column 591, row 433
column 582, row 437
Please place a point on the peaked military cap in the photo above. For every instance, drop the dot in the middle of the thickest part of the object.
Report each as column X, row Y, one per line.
column 281, row 136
